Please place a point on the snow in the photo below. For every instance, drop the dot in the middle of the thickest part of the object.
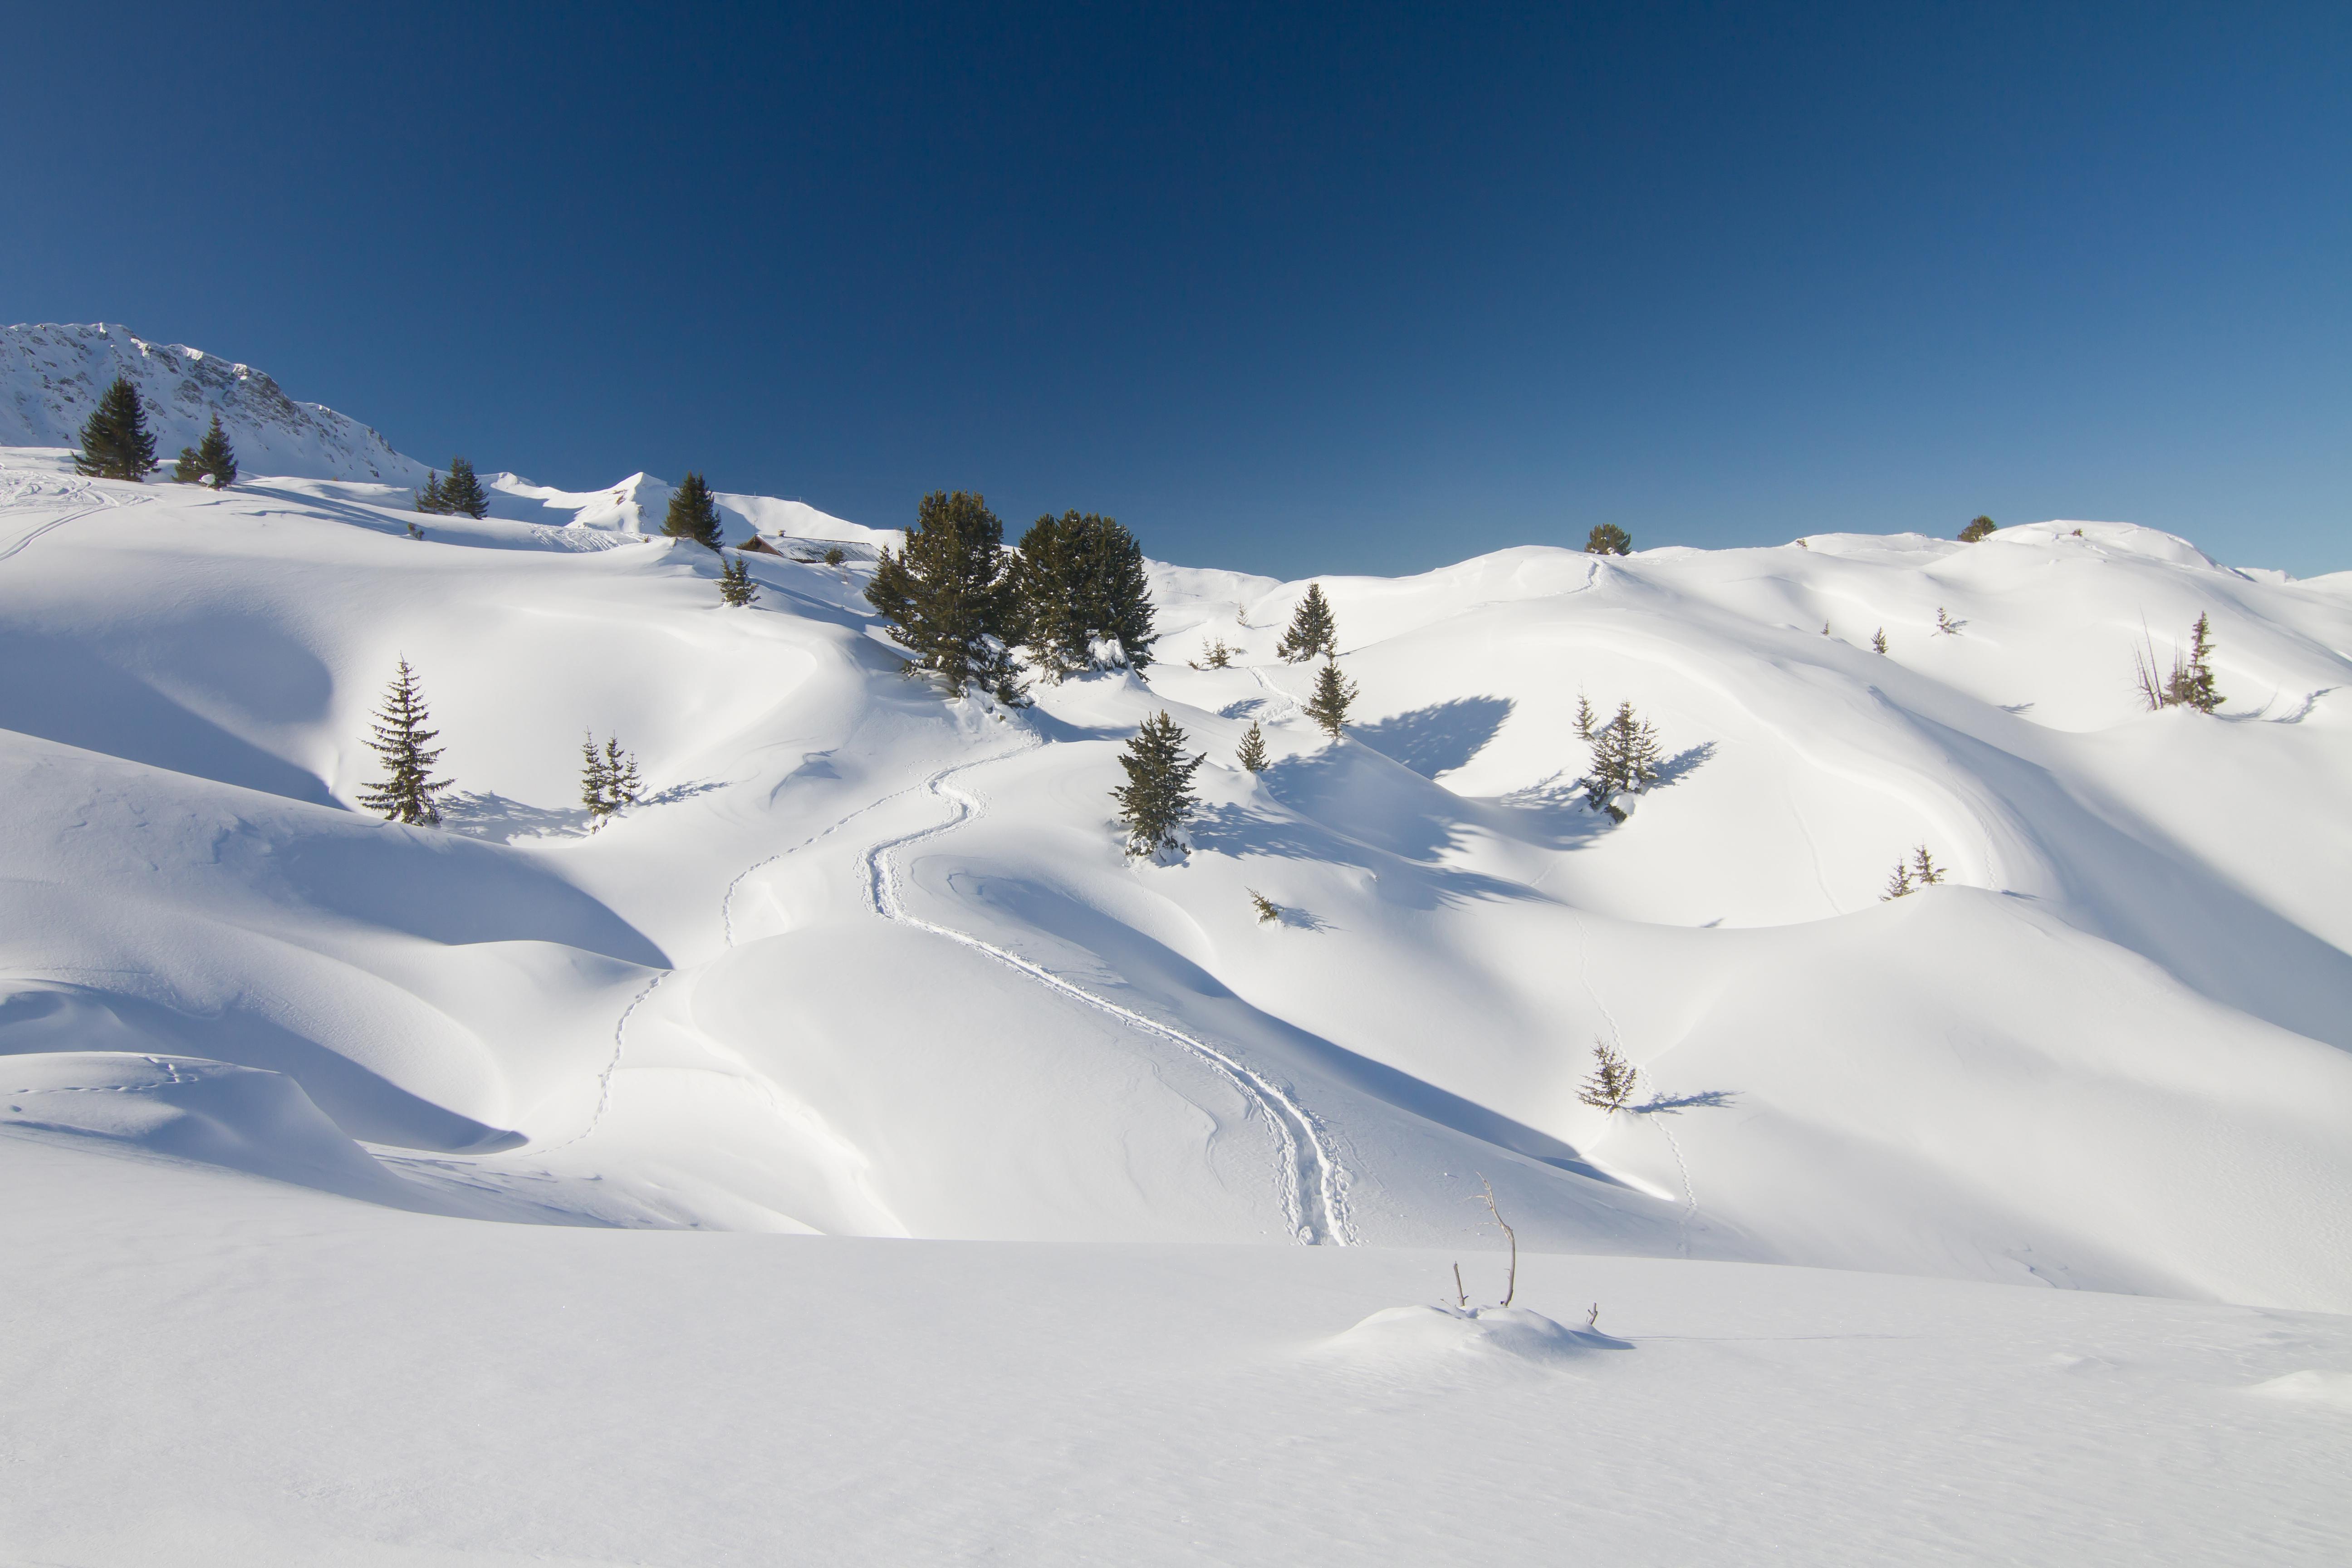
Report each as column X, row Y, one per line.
column 1059, row 1209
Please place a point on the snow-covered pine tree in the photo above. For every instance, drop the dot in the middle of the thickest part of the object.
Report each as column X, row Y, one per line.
column 1878, row 640
column 1252, row 754
column 947, row 596
column 1078, row 583
column 429, row 500
column 735, row 586
column 694, row 513
column 1611, row 1082
column 1158, row 795
column 406, row 792
column 1925, row 872
column 1625, row 757
column 1608, row 539
column 462, row 494
column 115, row 441
column 1333, row 693
column 1313, row 629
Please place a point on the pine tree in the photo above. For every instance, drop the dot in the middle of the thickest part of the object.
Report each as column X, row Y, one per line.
column 115, row 441
column 1214, row 655
column 621, row 779
column 1925, row 872
column 1077, row 583
column 405, row 794
column 1585, row 717
column 1878, row 640
column 694, row 513
column 1611, row 1082
column 1313, row 629
column 462, row 494
column 1945, row 625
column 1333, row 693
column 1158, row 795
column 2192, row 684
column 1625, row 759
column 430, row 499
column 596, row 781
column 1252, row 754
column 1898, row 886
column 1268, row 911
column 1977, row 530
column 214, row 462
column 735, row 584
column 1608, row 539
column 947, row 596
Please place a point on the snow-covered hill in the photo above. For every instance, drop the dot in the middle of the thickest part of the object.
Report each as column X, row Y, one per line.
column 869, row 963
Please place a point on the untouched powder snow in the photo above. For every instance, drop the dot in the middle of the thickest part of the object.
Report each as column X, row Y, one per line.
column 867, row 964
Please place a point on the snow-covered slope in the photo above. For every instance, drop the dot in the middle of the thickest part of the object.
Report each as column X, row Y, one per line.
column 870, row 963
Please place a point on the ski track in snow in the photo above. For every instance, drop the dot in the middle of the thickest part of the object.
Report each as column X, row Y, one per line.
column 1316, row 1207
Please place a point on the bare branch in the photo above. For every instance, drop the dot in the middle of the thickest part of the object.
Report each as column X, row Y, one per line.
column 1511, row 1287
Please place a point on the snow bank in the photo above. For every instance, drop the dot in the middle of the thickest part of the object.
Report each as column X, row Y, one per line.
column 1432, row 1336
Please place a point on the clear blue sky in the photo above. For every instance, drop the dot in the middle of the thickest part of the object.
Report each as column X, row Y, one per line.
column 1288, row 289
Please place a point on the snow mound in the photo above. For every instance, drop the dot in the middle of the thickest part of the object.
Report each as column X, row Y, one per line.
column 51, row 377
column 190, row 1108
column 1435, row 1334
column 2311, row 1388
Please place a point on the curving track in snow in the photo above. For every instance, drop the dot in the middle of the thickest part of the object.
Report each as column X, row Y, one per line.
column 1314, row 1186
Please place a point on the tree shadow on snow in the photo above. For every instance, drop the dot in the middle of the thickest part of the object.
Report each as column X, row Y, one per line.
column 1440, row 738
column 502, row 821
column 1669, row 1105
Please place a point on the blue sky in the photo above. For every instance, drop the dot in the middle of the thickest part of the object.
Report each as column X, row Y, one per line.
column 1292, row 288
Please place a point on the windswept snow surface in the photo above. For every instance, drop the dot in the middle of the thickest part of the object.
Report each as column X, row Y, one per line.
column 868, row 963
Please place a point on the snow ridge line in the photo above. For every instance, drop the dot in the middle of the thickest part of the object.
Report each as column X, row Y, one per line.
column 727, row 900
column 1300, row 1133
column 604, row 1079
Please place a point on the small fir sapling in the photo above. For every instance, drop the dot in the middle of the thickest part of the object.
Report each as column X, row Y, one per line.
column 608, row 779
column 1925, row 872
column 2190, row 684
column 833, row 555
column 1878, row 640
column 1611, row 1084
column 415, row 531
column 406, row 792
column 1214, row 655
column 1977, row 530
column 428, row 500
column 115, row 441
column 1585, row 717
column 694, row 513
column 462, row 494
column 1625, row 757
column 1313, row 629
column 1252, row 754
column 1946, row 625
column 1898, row 886
column 1268, row 911
column 213, row 463
column 1158, row 795
column 735, row 585
column 1333, row 694
column 1608, row 539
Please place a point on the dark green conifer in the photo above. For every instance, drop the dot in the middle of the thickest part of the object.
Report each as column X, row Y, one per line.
column 947, row 597
column 1078, row 583
column 430, row 499
column 1333, row 693
column 694, row 513
column 1977, row 530
column 1158, row 795
column 735, row 587
column 608, row 779
column 1313, row 629
column 115, row 441
column 1625, row 759
column 1608, row 539
column 1925, row 872
column 213, row 463
column 1252, row 754
column 406, row 792
column 1613, row 1078
column 462, row 494
column 2191, row 683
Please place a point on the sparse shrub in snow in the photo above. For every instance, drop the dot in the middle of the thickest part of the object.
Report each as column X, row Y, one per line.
column 115, row 441
column 2190, row 683
column 1608, row 539
column 834, row 556
column 735, row 588
column 948, row 596
column 693, row 512
column 415, row 531
column 212, row 461
column 1078, row 583
column 1611, row 1084
column 406, row 792
column 1313, row 629
column 1333, row 693
column 1268, row 911
column 1625, row 759
column 1946, row 625
column 1252, row 754
column 1878, row 640
column 1158, row 795
column 608, row 780
column 1214, row 655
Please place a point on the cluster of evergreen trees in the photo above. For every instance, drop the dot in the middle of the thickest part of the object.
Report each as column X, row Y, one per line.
column 956, row 599
column 608, row 778
column 1910, row 876
column 459, row 495
column 212, row 461
column 1625, row 755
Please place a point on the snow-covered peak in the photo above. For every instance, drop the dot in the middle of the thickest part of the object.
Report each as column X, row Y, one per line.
column 51, row 377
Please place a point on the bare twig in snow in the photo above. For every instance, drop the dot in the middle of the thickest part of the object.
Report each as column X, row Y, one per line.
column 1511, row 1285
